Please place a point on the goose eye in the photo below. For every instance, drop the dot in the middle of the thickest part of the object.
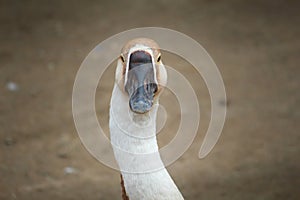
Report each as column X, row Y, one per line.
column 122, row 58
column 154, row 87
column 159, row 58
column 155, row 90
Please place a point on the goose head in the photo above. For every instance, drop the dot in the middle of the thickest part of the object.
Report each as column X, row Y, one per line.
column 141, row 74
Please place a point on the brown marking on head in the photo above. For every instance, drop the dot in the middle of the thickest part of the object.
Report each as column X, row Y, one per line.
column 141, row 41
column 156, row 56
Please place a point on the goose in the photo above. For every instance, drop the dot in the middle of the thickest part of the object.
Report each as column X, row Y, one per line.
column 139, row 80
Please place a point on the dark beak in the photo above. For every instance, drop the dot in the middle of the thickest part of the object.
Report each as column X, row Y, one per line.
column 140, row 84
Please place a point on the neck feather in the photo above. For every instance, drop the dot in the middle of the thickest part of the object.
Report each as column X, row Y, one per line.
column 133, row 136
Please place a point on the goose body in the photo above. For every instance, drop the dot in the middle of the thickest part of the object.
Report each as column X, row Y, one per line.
column 139, row 78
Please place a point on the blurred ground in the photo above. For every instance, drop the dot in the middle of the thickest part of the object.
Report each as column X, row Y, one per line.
column 254, row 43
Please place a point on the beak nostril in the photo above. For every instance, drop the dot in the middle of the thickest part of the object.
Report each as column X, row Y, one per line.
column 146, row 87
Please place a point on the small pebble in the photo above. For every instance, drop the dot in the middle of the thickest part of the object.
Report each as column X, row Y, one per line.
column 11, row 86
column 70, row 170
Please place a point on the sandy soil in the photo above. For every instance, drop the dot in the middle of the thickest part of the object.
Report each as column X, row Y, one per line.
column 254, row 43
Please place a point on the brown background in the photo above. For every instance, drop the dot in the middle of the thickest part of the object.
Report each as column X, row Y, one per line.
column 254, row 43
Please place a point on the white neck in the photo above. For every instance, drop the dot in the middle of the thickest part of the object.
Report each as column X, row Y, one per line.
column 135, row 134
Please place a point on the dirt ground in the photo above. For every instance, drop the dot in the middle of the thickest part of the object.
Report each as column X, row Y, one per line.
column 255, row 45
